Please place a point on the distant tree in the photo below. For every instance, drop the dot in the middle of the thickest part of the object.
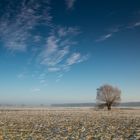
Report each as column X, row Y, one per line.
column 108, row 96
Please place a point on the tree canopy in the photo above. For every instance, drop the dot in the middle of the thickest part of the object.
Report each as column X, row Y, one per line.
column 108, row 96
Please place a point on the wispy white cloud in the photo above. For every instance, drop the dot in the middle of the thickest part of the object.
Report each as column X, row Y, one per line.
column 64, row 31
column 76, row 58
column 43, row 82
column 37, row 38
column 137, row 24
column 52, row 53
column 134, row 25
column 57, row 55
column 21, row 76
column 70, row 3
column 111, row 31
column 17, row 31
column 114, row 30
column 53, row 69
column 59, row 77
column 104, row 37
column 42, row 76
column 35, row 90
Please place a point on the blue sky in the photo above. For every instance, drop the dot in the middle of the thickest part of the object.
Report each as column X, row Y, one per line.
column 58, row 51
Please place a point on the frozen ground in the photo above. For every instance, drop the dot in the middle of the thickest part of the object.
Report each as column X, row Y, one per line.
column 69, row 124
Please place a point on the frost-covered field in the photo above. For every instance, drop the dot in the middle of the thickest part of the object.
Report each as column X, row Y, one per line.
column 69, row 124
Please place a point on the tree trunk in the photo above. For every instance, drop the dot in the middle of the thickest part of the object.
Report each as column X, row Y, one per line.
column 109, row 107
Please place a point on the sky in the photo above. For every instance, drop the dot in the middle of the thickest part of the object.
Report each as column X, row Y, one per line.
column 61, row 51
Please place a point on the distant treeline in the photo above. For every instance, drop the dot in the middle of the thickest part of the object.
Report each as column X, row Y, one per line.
column 74, row 105
column 127, row 104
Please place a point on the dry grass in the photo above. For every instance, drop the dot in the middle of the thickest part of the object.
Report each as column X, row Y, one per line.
column 69, row 124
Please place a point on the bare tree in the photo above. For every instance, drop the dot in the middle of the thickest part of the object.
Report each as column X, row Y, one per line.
column 108, row 95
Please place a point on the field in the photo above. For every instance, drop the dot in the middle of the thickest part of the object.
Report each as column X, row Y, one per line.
column 69, row 124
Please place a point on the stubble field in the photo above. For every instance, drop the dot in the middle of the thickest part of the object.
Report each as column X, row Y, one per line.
column 69, row 124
